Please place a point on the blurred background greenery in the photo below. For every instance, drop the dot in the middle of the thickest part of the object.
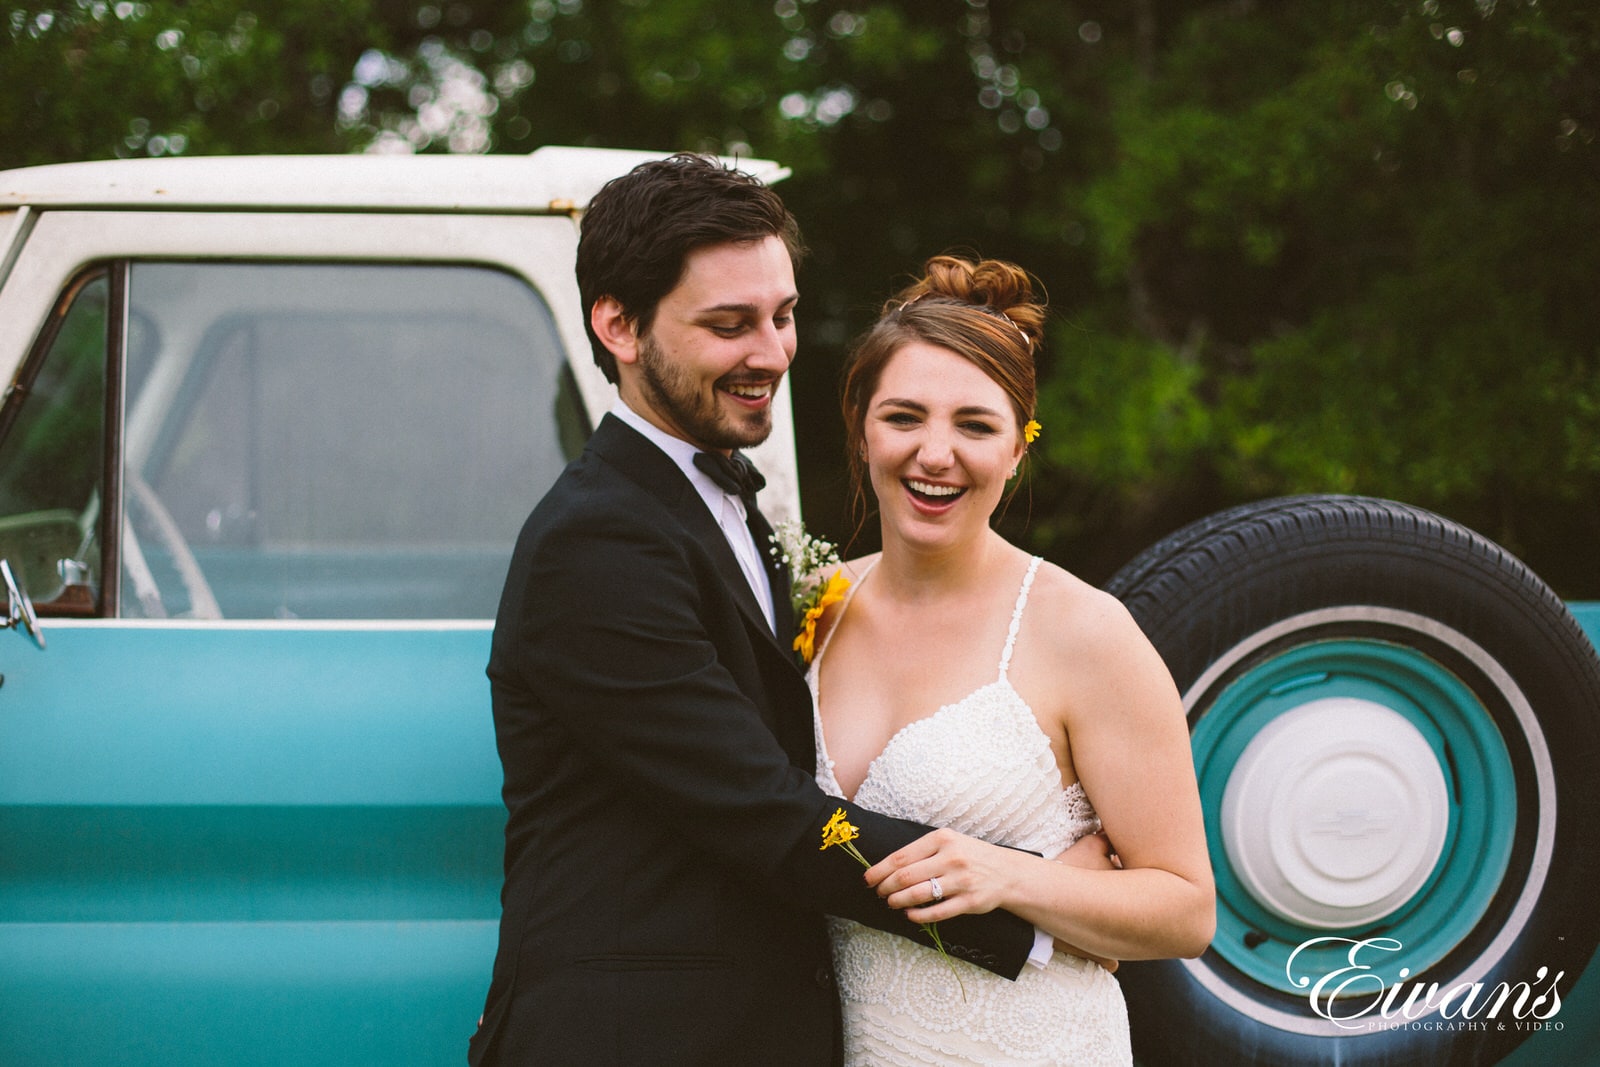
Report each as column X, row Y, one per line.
column 1290, row 247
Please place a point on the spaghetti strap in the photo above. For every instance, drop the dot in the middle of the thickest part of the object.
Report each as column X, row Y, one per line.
column 1016, row 615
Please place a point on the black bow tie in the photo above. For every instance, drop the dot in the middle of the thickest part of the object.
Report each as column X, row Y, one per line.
column 733, row 474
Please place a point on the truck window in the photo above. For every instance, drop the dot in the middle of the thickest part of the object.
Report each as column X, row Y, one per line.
column 51, row 456
column 311, row 441
column 322, row 441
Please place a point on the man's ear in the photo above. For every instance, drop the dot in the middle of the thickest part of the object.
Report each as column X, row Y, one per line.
column 616, row 330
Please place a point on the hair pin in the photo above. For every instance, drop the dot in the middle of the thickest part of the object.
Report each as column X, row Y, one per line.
column 1027, row 341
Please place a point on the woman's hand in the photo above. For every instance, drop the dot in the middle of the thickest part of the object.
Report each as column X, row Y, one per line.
column 971, row 876
column 944, row 874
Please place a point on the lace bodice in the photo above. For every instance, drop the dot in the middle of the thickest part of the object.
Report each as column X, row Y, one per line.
column 983, row 766
column 980, row 765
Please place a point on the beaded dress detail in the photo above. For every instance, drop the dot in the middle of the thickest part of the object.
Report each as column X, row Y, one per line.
column 984, row 767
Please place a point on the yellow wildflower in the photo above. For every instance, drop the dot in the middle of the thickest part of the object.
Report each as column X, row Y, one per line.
column 805, row 642
column 839, row 831
column 1030, row 432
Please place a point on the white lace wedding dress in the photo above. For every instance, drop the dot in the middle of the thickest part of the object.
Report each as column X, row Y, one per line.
column 984, row 767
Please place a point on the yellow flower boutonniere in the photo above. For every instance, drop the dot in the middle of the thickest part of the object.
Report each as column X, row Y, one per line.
column 805, row 642
column 1030, row 432
column 841, row 833
column 810, row 593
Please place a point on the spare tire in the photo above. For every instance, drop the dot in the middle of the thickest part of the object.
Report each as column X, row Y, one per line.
column 1395, row 726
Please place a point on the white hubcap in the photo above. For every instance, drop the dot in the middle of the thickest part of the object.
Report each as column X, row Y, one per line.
column 1336, row 813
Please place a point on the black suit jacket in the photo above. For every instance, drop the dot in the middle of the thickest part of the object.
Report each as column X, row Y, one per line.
column 664, row 884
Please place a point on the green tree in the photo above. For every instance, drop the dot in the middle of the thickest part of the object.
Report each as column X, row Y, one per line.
column 1343, row 246
column 1370, row 228
column 95, row 79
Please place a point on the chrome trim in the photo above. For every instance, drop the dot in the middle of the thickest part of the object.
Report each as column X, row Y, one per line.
column 15, row 236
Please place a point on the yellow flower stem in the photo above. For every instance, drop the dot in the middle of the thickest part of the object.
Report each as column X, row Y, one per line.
column 841, row 833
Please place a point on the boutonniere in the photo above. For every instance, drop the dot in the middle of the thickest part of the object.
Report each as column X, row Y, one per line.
column 811, row 589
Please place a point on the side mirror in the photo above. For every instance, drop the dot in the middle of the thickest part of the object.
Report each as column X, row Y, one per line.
column 19, row 609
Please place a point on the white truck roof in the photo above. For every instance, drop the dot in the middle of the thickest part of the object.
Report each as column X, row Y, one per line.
column 551, row 179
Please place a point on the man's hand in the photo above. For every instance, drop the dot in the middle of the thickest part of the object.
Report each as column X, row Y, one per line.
column 1092, row 852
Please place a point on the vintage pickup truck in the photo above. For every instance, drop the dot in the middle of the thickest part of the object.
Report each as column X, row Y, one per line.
column 270, row 430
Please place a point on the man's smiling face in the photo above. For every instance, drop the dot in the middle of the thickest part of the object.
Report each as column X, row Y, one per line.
column 718, row 346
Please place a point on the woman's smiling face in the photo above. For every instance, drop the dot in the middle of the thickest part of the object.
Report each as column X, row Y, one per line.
column 941, row 438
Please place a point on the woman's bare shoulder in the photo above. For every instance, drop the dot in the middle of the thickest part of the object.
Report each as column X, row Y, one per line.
column 1082, row 618
column 853, row 570
column 1092, row 639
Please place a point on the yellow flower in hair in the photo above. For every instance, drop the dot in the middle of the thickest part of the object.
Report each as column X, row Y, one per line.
column 805, row 642
column 1030, row 432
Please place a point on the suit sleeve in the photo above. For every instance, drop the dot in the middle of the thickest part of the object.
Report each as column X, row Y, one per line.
column 612, row 638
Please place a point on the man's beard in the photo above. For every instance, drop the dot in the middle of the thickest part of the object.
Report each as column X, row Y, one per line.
column 676, row 397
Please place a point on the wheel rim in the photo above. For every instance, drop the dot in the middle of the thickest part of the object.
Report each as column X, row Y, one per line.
column 1424, row 741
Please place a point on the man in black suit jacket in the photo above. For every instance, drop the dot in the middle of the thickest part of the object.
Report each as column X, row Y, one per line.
column 664, row 883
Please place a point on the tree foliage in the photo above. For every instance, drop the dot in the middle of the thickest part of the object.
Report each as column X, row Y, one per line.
column 1345, row 246
column 1375, row 223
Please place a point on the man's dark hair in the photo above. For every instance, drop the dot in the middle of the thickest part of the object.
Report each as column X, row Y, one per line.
column 640, row 228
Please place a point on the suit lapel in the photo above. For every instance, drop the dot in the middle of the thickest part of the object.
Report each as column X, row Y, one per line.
column 777, row 574
column 629, row 451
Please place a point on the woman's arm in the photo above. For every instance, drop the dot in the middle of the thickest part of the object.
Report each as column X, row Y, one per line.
column 1130, row 747
column 1092, row 852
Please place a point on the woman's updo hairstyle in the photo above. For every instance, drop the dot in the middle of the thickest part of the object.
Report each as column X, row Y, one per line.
column 982, row 310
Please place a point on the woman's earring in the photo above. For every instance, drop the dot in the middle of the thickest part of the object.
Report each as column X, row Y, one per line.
column 1013, row 473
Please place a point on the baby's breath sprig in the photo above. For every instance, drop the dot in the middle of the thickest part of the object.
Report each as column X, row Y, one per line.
column 807, row 557
column 811, row 588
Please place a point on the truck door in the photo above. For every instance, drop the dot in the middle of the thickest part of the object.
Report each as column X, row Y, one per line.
column 249, row 798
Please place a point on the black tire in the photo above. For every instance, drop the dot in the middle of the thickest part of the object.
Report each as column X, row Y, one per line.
column 1391, row 616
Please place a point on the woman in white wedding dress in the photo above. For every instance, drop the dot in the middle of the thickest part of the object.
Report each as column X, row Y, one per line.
column 967, row 686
